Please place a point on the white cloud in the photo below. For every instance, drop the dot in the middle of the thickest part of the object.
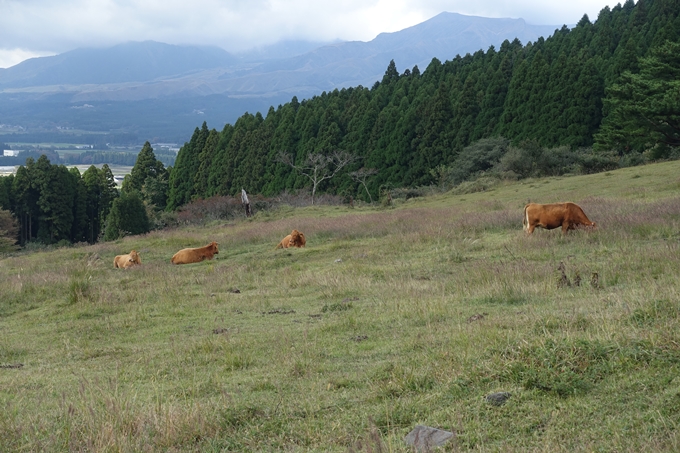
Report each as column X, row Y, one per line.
column 539, row 12
column 39, row 27
column 11, row 57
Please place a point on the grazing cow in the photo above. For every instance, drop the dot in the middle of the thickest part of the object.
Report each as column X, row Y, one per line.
column 188, row 256
column 566, row 215
column 294, row 239
column 125, row 261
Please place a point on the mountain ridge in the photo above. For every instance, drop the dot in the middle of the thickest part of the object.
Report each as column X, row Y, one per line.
column 149, row 71
column 142, row 61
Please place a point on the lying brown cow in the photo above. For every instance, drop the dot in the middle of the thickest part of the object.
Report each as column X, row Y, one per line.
column 294, row 239
column 566, row 215
column 125, row 261
column 188, row 256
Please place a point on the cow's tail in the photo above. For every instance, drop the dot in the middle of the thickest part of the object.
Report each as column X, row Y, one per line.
column 525, row 219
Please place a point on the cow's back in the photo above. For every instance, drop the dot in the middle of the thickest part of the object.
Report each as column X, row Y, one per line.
column 184, row 256
column 195, row 255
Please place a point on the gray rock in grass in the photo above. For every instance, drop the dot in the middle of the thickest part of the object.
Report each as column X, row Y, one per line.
column 424, row 438
column 498, row 398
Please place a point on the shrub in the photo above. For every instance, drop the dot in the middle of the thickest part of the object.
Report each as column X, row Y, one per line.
column 598, row 162
column 530, row 159
column 478, row 158
column 300, row 199
column 481, row 184
column 213, row 208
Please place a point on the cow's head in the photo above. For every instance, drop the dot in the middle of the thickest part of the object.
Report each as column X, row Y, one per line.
column 134, row 257
column 295, row 237
column 213, row 247
column 585, row 226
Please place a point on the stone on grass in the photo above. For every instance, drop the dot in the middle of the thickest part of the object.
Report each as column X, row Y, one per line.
column 424, row 438
column 498, row 398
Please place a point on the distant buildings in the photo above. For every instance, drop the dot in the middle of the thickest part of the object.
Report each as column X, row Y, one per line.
column 7, row 170
column 174, row 147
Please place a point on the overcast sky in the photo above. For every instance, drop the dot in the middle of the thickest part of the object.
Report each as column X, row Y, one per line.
column 30, row 28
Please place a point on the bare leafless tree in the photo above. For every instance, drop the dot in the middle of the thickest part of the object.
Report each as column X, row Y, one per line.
column 318, row 167
column 245, row 202
column 361, row 175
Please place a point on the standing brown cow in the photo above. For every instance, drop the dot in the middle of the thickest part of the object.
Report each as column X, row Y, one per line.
column 566, row 215
column 196, row 255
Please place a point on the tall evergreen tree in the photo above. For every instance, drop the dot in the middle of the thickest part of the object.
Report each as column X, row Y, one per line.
column 79, row 227
column 127, row 217
column 643, row 110
column 146, row 166
column 109, row 190
column 181, row 181
column 217, row 183
column 435, row 145
column 94, row 190
column 57, row 193
column 205, row 158
column 27, row 194
column 7, row 198
column 149, row 179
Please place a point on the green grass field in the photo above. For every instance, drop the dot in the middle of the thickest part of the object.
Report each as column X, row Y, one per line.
column 74, row 148
column 116, row 170
column 389, row 318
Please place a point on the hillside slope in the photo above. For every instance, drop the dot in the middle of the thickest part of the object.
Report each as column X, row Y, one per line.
column 388, row 318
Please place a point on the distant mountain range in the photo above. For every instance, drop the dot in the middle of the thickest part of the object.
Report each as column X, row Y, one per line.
column 124, row 63
column 161, row 91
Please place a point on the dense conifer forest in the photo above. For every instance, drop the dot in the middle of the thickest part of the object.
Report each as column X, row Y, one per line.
column 603, row 94
column 54, row 204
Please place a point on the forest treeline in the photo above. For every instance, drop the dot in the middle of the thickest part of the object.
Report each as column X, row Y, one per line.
column 54, row 204
column 600, row 95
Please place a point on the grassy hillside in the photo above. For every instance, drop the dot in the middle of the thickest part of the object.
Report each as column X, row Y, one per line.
column 389, row 318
